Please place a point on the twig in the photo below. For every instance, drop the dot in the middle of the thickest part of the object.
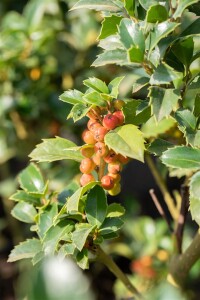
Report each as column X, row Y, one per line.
column 162, row 186
column 160, row 209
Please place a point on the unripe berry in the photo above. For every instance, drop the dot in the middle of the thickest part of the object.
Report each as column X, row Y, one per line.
column 118, row 104
column 111, row 157
column 87, row 165
column 107, row 182
column 87, row 152
column 110, row 121
column 115, row 190
column 120, row 116
column 88, row 137
column 92, row 125
column 124, row 160
column 101, row 149
column 86, row 178
column 116, row 177
column 114, row 167
column 100, row 133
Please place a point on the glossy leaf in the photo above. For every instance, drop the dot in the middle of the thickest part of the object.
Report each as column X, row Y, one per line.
column 102, row 5
column 112, row 42
column 158, row 146
column 109, row 26
column 164, row 74
column 80, row 235
column 130, row 7
column 114, row 86
column 24, row 212
column 96, row 206
column 185, row 119
column 152, row 128
column 117, row 56
column 163, row 101
column 126, row 140
column 96, row 84
column 82, row 259
column 182, row 5
column 55, row 149
column 26, row 197
column 192, row 30
column 31, row 180
column 182, row 157
column 111, row 225
column 115, row 210
column 72, row 97
column 135, row 55
column 27, row 249
column 94, row 98
column 156, row 13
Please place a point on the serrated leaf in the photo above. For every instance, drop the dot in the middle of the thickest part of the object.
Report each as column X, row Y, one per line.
column 94, row 98
column 130, row 7
column 79, row 111
column 146, row 4
column 156, row 14
column 164, row 74
column 74, row 201
column 55, row 149
column 111, row 225
column 185, row 119
column 152, row 128
column 158, row 146
column 182, row 5
column 135, row 55
column 127, row 140
column 109, row 26
column 55, row 234
column 31, row 180
column 96, row 84
column 195, row 209
column 82, row 259
column 112, row 42
column 37, row 257
column 80, row 235
column 184, row 51
column 67, row 249
column 27, row 249
column 72, row 97
column 26, row 197
column 193, row 137
column 24, row 212
column 182, row 157
column 139, row 83
column 96, row 206
column 115, row 210
column 195, row 185
column 114, row 86
column 46, row 218
column 163, row 101
column 102, row 5
column 117, row 56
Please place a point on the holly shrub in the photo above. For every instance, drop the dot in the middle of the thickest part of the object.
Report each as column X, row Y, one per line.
column 157, row 43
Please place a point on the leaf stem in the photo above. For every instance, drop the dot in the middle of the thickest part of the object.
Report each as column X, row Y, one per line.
column 111, row 265
column 163, row 188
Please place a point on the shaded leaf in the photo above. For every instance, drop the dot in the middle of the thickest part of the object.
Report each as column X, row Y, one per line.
column 109, row 26
column 156, row 13
column 193, row 29
column 184, row 51
column 115, row 210
column 195, row 209
column 195, row 186
column 185, row 119
column 117, row 56
column 110, row 225
column 24, row 212
column 82, row 259
column 80, row 235
column 182, row 5
column 158, row 146
column 27, row 249
column 130, row 7
column 79, row 111
column 46, row 218
column 164, row 74
column 26, row 197
column 114, row 86
column 152, row 128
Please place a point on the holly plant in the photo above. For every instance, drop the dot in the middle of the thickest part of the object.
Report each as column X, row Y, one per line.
column 157, row 43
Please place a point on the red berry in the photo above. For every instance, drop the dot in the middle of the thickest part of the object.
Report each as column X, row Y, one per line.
column 87, row 152
column 107, row 182
column 100, row 133
column 101, row 149
column 111, row 157
column 92, row 125
column 110, row 121
column 124, row 160
column 86, row 178
column 118, row 104
column 88, row 137
column 114, row 167
column 116, row 177
column 120, row 117
column 87, row 165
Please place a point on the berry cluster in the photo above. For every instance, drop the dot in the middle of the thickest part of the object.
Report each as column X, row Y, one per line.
column 98, row 157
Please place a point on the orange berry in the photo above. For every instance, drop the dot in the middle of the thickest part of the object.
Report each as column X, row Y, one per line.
column 100, row 133
column 86, row 178
column 114, row 167
column 107, row 182
column 101, row 149
column 87, row 165
column 110, row 121
column 111, row 157
column 88, row 137
column 87, row 152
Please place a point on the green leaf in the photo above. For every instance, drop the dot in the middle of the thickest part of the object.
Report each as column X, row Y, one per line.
column 25, row 197
column 46, row 218
column 182, row 157
column 130, row 7
column 114, row 86
column 156, row 14
column 158, row 146
column 82, row 259
column 185, row 119
column 195, row 186
column 192, row 30
column 112, row 42
column 163, row 101
column 129, row 110
column 55, row 149
column 55, row 234
column 135, row 55
column 94, row 98
column 79, row 111
column 111, row 225
column 109, row 26
column 197, row 106
column 31, row 180
column 72, row 97
column 164, row 74
column 152, row 128
column 139, row 83
column 126, row 140
column 131, row 35
column 146, row 4
column 27, row 249
column 73, row 202
column 182, row 5
column 102, row 5
column 136, row 112
column 80, row 234
column 195, row 209
column 161, row 30
column 193, row 137
column 24, row 212
column 96, row 84
column 117, row 56
column 184, row 51
column 67, row 249
column 115, row 210
column 96, row 206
